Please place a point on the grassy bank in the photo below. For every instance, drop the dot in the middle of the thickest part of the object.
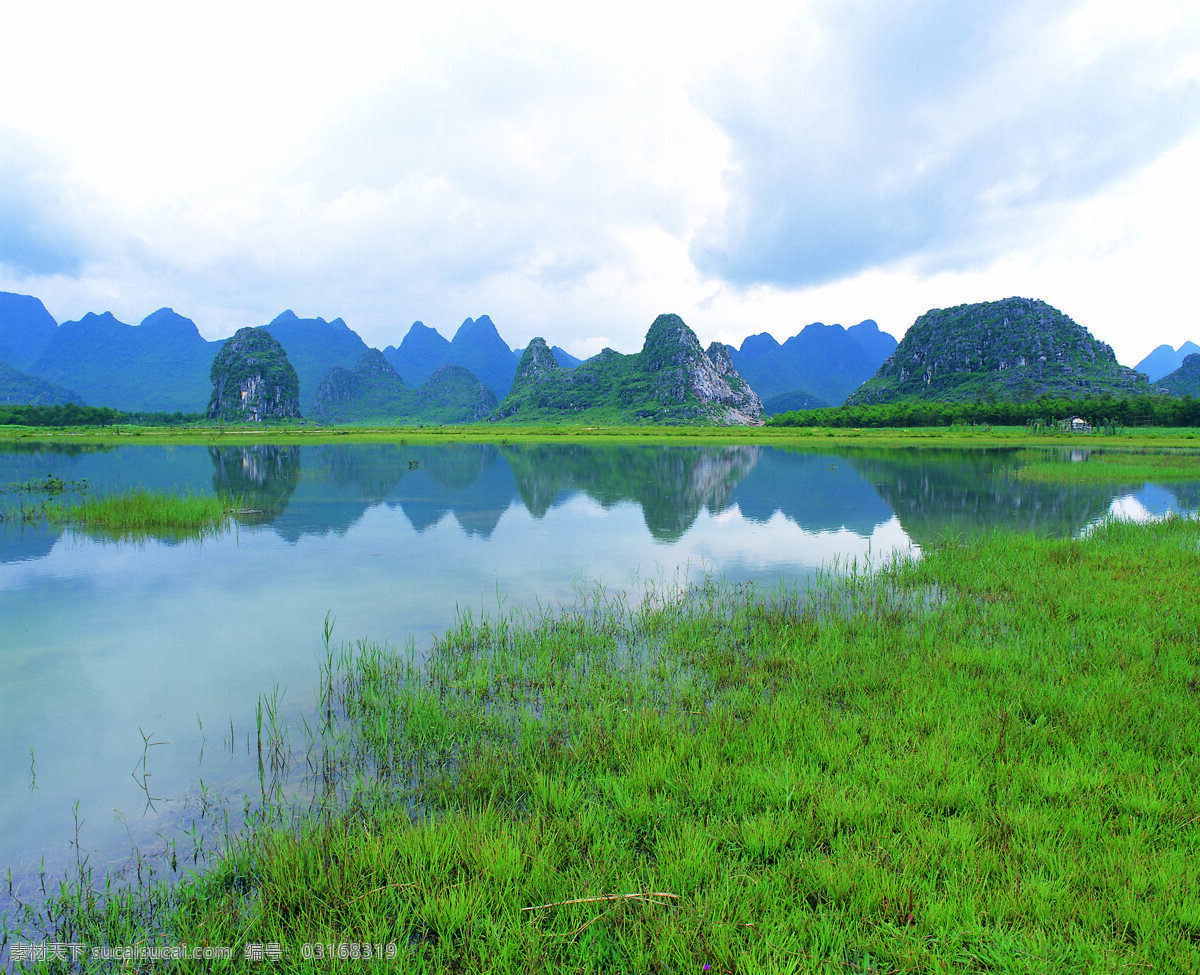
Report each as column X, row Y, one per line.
column 982, row 761
column 1108, row 467
column 300, row 433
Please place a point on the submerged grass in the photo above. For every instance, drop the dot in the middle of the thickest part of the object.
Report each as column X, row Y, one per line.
column 985, row 760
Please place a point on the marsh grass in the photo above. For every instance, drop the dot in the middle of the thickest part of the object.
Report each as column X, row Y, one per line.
column 1084, row 465
column 985, row 760
column 142, row 514
column 26, row 502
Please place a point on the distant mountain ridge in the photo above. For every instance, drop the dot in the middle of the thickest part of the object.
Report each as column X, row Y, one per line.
column 1018, row 348
column 374, row 391
column 159, row 365
column 421, row 351
column 825, row 363
column 1164, row 360
column 313, row 345
column 476, row 346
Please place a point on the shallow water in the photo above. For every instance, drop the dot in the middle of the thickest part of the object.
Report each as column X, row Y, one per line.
column 130, row 672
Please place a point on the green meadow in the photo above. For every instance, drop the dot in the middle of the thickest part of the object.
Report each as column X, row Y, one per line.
column 982, row 760
column 301, row 432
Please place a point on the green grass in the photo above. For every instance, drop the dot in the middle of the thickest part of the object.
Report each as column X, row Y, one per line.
column 1109, row 467
column 144, row 514
column 591, row 431
column 985, row 760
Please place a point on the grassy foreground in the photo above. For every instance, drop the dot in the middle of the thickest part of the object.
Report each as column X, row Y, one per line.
column 983, row 761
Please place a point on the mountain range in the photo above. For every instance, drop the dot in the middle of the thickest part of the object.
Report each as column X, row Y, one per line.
column 26, row 328
column 313, row 345
column 476, row 346
column 826, row 362
column 373, row 391
column 1003, row 349
column 162, row 364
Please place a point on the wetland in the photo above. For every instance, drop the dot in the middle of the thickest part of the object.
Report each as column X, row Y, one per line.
column 140, row 669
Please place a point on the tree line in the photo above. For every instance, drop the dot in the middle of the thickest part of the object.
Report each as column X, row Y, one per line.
column 76, row 415
column 1098, row 411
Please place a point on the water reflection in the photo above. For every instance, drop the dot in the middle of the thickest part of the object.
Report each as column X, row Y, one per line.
column 262, row 479
column 671, row 485
column 325, row 490
column 952, row 493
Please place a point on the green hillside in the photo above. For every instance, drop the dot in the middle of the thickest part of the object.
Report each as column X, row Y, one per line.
column 18, row 388
column 1184, row 381
column 672, row 380
column 1015, row 349
column 374, row 392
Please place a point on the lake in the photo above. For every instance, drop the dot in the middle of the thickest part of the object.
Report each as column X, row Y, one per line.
column 130, row 672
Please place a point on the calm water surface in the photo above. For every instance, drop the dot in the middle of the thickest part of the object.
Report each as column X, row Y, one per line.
column 130, row 672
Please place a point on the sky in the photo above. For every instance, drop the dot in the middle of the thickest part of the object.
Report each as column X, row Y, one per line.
column 573, row 171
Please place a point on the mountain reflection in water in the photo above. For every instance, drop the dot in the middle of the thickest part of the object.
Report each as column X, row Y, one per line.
column 322, row 490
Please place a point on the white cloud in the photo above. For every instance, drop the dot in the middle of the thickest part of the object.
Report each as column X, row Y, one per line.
column 575, row 171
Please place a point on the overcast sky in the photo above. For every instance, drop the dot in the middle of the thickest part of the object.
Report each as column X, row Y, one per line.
column 574, row 170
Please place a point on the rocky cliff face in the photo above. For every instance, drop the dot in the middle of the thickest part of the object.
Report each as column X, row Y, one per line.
column 253, row 380
column 536, row 362
column 672, row 380
column 1018, row 348
column 740, row 398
